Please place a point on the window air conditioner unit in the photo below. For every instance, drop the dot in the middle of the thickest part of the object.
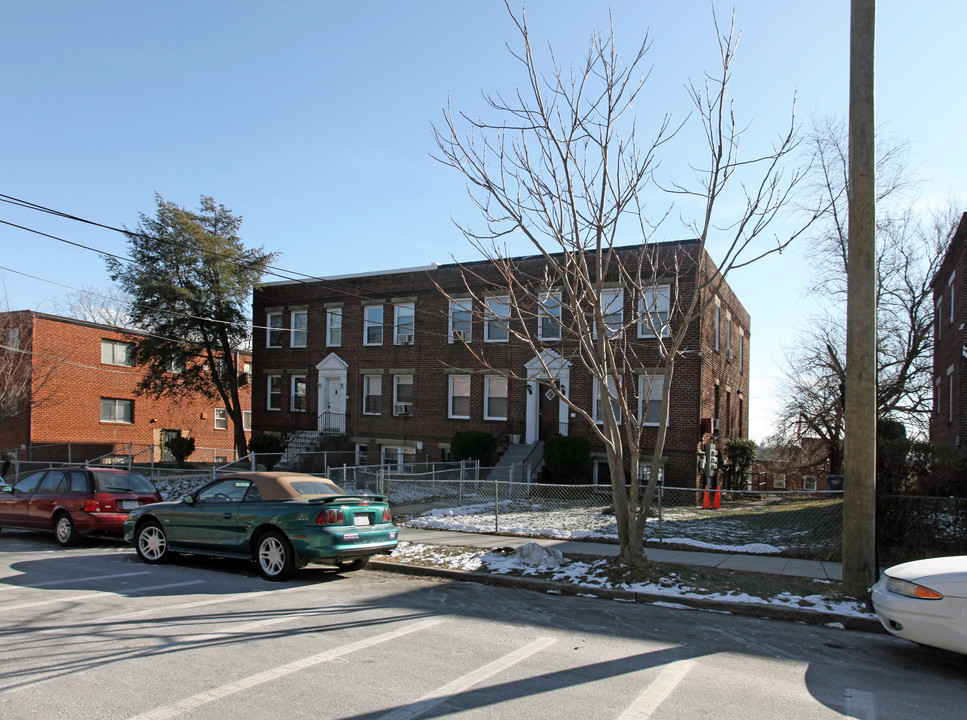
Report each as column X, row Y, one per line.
column 728, row 355
column 462, row 335
column 404, row 409
column 404, row 339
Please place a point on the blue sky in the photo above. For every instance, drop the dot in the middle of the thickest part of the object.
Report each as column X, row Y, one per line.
column 312, row 121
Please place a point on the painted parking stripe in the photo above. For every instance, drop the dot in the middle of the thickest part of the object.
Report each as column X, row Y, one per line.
column 251, row 681
column 645, row 704
column 85, row 596
column 90, row 578
column 860, row 705
column 441, row 695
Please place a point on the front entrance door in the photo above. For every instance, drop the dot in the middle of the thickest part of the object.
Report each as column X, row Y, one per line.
column 335, row 418
column 167, row 435
column 549, row 409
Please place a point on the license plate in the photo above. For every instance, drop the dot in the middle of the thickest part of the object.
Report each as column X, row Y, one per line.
column 127, row 504
column 361, row 520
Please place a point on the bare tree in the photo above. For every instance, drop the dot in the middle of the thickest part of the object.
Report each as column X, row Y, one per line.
column 106, row 307
column 565, row 168
column 910, row 247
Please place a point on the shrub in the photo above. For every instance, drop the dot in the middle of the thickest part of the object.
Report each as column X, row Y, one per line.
column 739, row 454
column 568, row 458
column 268, row 447
column 471, row 445
column 180, row 447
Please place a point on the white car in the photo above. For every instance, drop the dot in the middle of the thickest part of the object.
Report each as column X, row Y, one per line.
column 925, row 601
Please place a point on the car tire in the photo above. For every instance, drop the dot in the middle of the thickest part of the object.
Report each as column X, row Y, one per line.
column 151, row 543
column 274, row 556
column 353, row 565
column 64, row 531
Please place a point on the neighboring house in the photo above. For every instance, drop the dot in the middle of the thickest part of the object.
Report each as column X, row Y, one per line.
column 71, row 397
column 803, row 467
column 378, row 357
column 948, row 421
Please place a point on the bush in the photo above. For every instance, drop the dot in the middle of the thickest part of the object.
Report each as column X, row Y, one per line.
column 268, row 447
column 180, row 447
column 471, row 445
column 739, row 454
column 568, row 459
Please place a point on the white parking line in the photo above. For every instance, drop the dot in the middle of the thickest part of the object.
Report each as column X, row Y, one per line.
column 90, row 578
column 860, row 705
column 85, row 596
column 649, row 701
column 218, row 693
column 431, row 700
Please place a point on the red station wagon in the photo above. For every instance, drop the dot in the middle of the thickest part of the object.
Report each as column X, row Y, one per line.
column 70, row 502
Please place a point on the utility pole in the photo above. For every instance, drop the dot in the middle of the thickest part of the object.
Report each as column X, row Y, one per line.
column 859, row 507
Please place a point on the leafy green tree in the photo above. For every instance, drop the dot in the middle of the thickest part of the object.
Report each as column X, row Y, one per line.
column 739, row 454
column 190, row 282
column 181, row 448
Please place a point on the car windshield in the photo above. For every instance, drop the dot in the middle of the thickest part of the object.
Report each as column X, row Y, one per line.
column 315, row 487
column 115, row 482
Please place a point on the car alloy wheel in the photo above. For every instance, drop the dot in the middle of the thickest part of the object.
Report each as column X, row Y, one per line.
column 151, row 543
column 274, row 556
column 64, row 530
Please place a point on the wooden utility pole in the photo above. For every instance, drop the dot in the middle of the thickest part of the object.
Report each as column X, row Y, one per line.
column 859, row 507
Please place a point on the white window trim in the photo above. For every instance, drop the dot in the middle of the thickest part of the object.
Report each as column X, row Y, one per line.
column 464, row 305
column 807, row 481
column 269, row 329
column 268, row 392
column 450, row 397
column 130, row 404
column 495, row 321
column 596, row 397
column 224, row 419
column 506, row 396
column 617, row 295
column 718, row 325
column 647, row 318
column 367, row 380
column 543, row 314
column 115, row 345
column 295, row 331
column 367, row 323
column 653, row 382
column 779, row 481
column 332, row 313
column 292, row 394
column 396, row 323
column 247, row 420
column 396, row 400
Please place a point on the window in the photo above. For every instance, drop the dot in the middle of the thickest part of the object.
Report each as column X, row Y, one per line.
column 460, row 320
column 950, row 284
column 403, row 395
column 654, row 309
column 247, row 420
column 497, row 324
column 598, row 410
column 718, row 319
column 274, row 400
column 221, row 419
column 373, row 325
column 459, row 397
column 273, row 334
column 741, row 352
column 612, row 307
column 300, row 328
column 13, row 338
column 728, row 335
column 333, row 327
column 809, row 483
column 362, row 454
column 650, row 389
column 297, row 402
column 779, row 481
column 116, row 352
column 115, row 410
column 174, row 365
column 403, row 323
column 372, row 394
column 495, row 398
column 549, row 317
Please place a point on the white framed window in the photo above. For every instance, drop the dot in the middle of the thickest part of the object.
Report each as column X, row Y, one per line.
column 950, row 284
column 117, row 352
column 362, row 454
column 373, row 325
column 404, row 315
column 221, row 419
column 461, row 320
column 613, row 309
column 718, row 324
column 654, row 310
column 598, row 410
column 300, row 328
column 333, row 327
column 273, row 400
column 938, row 313
column 13, row 338
column 117, row 410
column 372, row 394
column 174, row 366
column 650, row 388
column 549, row 316
column 495, row 397
column 459, row 397
column 247, row 420
column 403, row 395
column 809, row 483
column 273, row 333
column 728, row 335
column 497, row 323
column 297, row 396
column 741, row 352
column 779, row 481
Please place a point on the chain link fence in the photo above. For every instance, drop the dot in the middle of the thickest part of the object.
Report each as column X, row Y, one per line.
column 911, row 527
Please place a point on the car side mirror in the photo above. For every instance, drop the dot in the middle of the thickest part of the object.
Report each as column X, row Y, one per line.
column 6, row 488
column 188, row 499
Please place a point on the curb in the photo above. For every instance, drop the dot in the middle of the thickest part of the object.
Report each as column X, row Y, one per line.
column 761, row 610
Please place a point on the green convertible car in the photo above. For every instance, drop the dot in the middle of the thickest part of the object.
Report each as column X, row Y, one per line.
column 281, row 520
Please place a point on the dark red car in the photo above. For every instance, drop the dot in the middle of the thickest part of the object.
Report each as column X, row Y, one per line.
column 71, row 502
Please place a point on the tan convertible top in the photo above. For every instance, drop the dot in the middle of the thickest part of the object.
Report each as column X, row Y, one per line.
column 285, row 485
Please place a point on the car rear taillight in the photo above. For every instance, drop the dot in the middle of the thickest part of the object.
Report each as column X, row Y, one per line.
column 92, row 506
column 329, row 517
column 386, row 515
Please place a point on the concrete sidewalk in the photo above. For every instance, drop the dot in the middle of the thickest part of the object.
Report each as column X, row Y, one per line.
column 727, row 561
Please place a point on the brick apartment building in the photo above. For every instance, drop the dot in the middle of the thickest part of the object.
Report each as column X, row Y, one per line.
column 81, row 402
column 948, row 422
column 377, row 357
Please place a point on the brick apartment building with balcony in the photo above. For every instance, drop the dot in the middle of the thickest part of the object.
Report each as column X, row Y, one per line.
column 948, row 421
column 81, row 402
column 376, row 357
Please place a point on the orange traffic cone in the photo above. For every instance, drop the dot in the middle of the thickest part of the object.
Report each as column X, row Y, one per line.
column 705, row 501
column 717, row 502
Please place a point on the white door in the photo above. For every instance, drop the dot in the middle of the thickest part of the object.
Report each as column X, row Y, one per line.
column 333, row 417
